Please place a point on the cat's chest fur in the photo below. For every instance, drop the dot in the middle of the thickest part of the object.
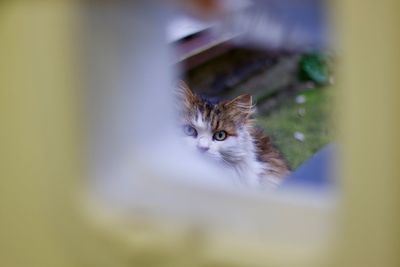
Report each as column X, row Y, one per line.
column 247, row 166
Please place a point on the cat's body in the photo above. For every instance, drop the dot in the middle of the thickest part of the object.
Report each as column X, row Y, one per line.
column 225, row 132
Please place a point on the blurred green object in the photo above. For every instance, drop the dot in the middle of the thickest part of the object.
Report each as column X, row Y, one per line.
column 311, row 118
column 314, row 67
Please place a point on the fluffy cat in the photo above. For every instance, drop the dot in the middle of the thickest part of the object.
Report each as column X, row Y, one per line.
column 225, row 132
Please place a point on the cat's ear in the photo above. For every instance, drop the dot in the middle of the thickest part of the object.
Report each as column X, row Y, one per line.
column 240, row 109
column 184, row 94
column 242, row 104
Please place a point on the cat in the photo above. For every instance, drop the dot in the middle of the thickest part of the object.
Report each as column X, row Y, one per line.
column 225, row 131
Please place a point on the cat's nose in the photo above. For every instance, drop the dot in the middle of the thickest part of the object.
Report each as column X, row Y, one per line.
column 203, row 144
column 202, row 148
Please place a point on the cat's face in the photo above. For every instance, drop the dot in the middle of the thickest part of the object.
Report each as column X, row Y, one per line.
column 216, row 130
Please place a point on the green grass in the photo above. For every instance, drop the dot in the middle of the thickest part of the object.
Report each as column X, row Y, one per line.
column 282, row 122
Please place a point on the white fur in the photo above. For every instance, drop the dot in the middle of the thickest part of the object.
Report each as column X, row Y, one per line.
column 237, row 153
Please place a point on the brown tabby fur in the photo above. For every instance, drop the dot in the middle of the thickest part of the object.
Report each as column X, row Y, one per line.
column 266, row 152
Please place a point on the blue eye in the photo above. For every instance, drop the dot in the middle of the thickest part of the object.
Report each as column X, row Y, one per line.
column 189, row 130
column 220, row 136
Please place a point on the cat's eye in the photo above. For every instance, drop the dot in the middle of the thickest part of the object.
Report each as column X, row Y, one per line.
column 189, row 130
column 220, row 135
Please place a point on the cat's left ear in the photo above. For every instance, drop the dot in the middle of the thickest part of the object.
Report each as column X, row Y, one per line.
column 183, row 91
column 243, row 104
column 184, row 95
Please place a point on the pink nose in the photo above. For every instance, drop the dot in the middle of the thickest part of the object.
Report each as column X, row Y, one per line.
column 202, row 148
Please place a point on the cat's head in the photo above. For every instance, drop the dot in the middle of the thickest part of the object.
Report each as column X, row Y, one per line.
column 219, row 130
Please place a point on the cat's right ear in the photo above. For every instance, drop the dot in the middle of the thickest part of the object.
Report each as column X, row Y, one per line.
column 184, row 94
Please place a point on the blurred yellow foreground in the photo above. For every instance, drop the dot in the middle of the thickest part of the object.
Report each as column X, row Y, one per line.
column 43, row 223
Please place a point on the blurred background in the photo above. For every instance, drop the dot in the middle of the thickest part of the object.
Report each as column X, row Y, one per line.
column 92, row 173
column 278, row 51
